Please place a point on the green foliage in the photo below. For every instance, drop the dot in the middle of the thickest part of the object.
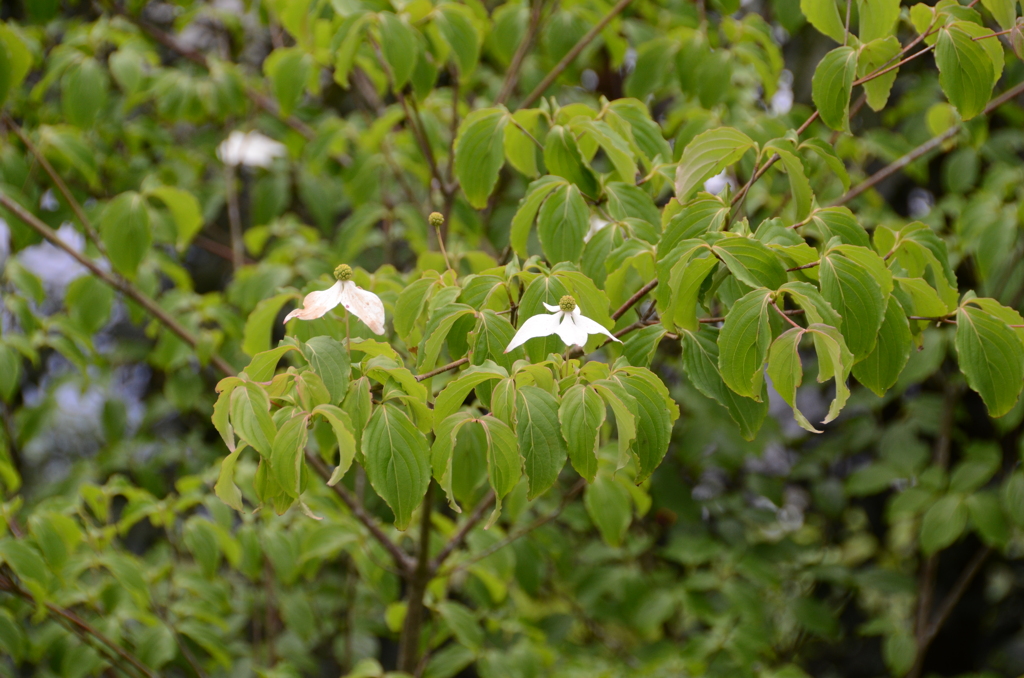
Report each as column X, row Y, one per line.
column 247, row 496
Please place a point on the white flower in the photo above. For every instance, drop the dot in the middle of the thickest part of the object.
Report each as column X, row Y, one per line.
column 717, row 183
column 596, row 224
column 565, row 320
column 364, row 305
column 249, row 148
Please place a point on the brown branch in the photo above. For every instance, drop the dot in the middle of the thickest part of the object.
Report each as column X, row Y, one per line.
column 512, row 77
column 956, row 593
column 805, row 266
column 403, row 561
column 572, row 54
column 634, row 299
column 456, row 541
column 114, row 281
column 75, row 206
column 444, row 368
column 234, row 218
column 923, row 149
column 412, row 626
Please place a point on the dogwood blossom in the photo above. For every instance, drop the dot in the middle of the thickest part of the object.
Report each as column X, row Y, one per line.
column 364, row 305
column 249, row 148
column 565, row 320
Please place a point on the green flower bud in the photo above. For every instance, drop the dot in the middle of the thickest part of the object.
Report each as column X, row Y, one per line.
column 567, row 304
column 436, row 219
column 343, row 272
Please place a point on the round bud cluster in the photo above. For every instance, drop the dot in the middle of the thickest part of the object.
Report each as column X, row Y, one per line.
column 343, row 272
column 567, row 304
column 436, row 219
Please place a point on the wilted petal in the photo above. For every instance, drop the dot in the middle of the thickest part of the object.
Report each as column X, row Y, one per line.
column 364, row 305
column 571, row 333
column 316, row 304
column 591, row 326
column 542, row 325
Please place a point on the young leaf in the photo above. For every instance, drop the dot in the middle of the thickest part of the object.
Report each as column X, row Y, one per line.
column 700, row 361
column 562, row 223
column 832, row 84
column 875, row 55
column 991, row 357
column 225, row 487
column 540, row 440
column 581, row 415
column 966, row 72
column 480, row 153
column 743, row 343
column 823, row 15
column 707, row 155
column 880, row 369
column 396, row 461
column 124, row 228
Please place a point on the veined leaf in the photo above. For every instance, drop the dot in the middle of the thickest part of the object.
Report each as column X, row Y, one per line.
column 832, row 84
column 396, row 461
column 966, row 72
column 857, row 297
column 743, row 343
column 880, row 369
column 562, row 223
column 991, row 356
column 536, row 193
column 751, row 262
column 823, row 15
column 581, row 414
column 707, row 155
column 480, row 153
column 540, row 438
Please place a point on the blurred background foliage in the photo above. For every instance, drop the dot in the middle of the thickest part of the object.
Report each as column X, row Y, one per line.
column 890, row 544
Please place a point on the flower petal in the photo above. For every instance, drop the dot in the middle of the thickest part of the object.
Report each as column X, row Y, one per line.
column 542, row 325
column 316, row 304
column 364, row 305
column 571, row 333
column 592, row 326
column 554, row 309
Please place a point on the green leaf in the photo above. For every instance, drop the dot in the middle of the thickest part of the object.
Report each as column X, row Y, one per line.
column 834, row 362
column 451, row 398
column 89, row 301
column 1013, row 498
column 707, row 155
column 463, row 624
column 330, row 361
column 259, row 327
column 342, row 426
column 480, row 153
column 832, row 84
column 744, row 342
column 288, row 453
column 839, row 222
column 349, row 37
column 787, row 372
column 250, row 417
column 624, row 408
column 436, row 333
column 504, row 464
column 991, row 357
column 877, row 19
column 876, row 55
column 83, row 91
column 857, row 297
column 562, row 223
column 613, row 145
column 609, row 506
column 15, row 61
column 488, row 341
column 124, row 228
column 987, row 515
column 563, row 158
column 520, row 150
column 458, row 32
column 288, row 69
column 966, row 72
column 629, row 201
column 398, row 44
column 10, row 372
column 751, row 262
column 264, row 365
column 681, row 292
column 656, row 413
column 225, row 488
column 943, row 523
column 1003, row 11
column 825, row 151
column 396, row 461
column 700, row 361
column 799, row 186
column 540, row 438
column 184, row 208
column 880, row 369
column 823, row 15
column 581, row 415
column 536, row 193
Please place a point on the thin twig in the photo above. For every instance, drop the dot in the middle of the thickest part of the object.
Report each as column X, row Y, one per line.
column 117, row 282
column 403, row 561
column 572, row 54
column 800, row 268
column 785, row 316
column 456, row 541
column 543, row 520
column 75, row 206
column 512, row 77
column 444, row 368
column 234, row 218
column 634, row 299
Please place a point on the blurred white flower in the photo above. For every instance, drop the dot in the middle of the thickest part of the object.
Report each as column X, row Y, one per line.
column 717, row 183
column 249, row 148
column 596, row 224
column 782, row 100
column 565, row 320
column 364, row 305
